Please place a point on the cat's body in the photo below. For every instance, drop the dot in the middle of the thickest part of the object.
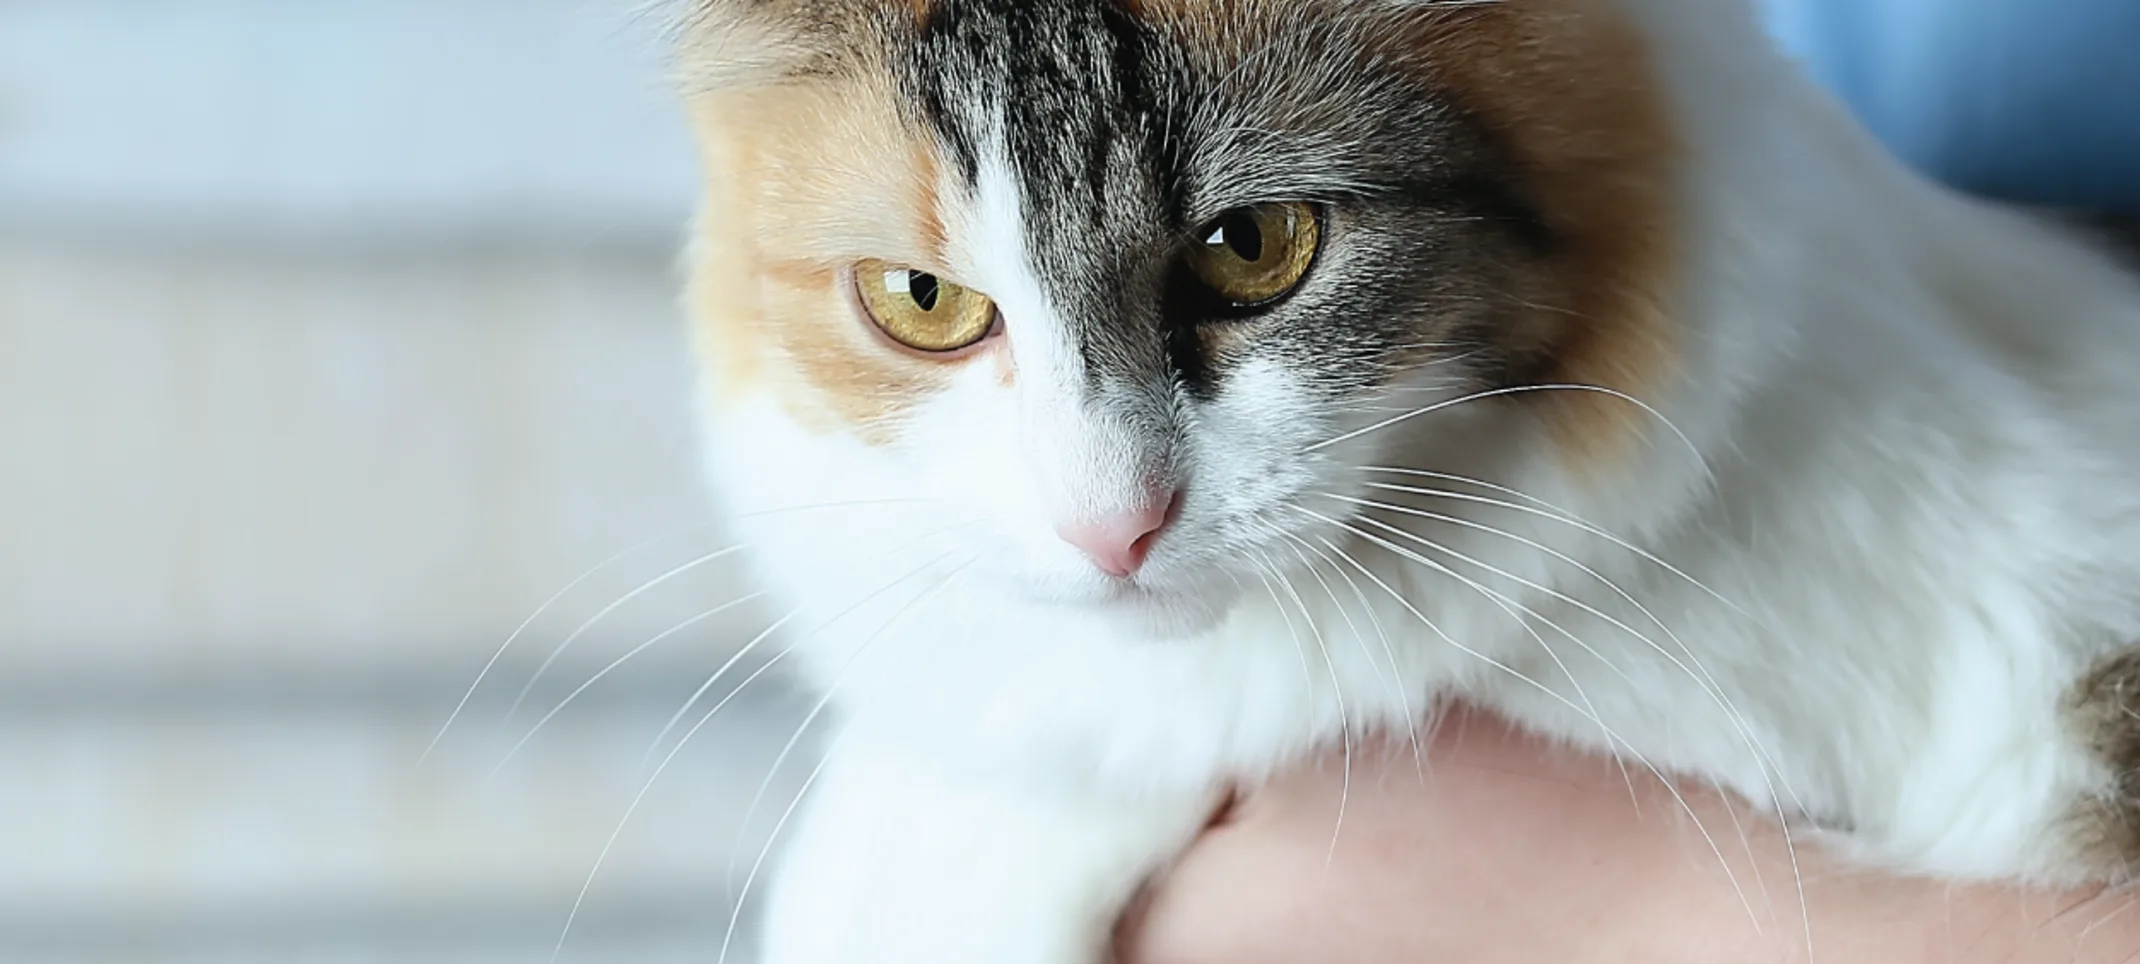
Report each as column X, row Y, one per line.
column 1741, row 450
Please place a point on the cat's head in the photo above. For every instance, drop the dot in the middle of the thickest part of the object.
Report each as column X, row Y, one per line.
column 1112, row 297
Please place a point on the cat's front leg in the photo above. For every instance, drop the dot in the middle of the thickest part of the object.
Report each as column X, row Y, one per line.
column 897, row 861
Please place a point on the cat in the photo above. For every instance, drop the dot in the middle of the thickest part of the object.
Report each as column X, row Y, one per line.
column 1133, row 397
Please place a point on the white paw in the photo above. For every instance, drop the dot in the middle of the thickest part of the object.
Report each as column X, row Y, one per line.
column 899, row 931
column 888, row 866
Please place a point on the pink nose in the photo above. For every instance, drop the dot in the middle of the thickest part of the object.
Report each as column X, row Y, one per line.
column 1118, row 544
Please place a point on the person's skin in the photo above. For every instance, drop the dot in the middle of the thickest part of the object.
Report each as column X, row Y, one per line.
column 1507, row 851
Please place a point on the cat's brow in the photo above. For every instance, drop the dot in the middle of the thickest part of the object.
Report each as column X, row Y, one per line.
column 1280, row 169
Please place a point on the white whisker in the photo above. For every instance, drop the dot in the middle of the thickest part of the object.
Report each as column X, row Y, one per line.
column 1552, row 512
column 1517, row 390
column 1510, row 607
column 1264, row 571
column 1337, row 688
column 522, row 629
column 1703, row 677
column 742, row 900
column 734, row 660
column 1613, row 737
column 665, row 635
column 586, row 627
column 1557, row 514
column 825, row 701
column 1722, row 701
column 639, row 798
column 1700, row 674
column 1396, row 674
column 735, row 916
column 685, row 710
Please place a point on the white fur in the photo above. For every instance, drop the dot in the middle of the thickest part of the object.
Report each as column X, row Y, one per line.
column 1907, row 523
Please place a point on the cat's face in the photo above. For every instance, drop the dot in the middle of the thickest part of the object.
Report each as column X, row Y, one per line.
column 1105, row 292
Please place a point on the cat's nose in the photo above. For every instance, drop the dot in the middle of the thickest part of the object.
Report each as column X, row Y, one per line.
column 1118, row 544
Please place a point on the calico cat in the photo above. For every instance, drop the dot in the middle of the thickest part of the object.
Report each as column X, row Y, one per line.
column 1134, row 396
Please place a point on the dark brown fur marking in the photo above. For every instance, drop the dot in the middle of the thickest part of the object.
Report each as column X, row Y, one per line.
column 2105, row 712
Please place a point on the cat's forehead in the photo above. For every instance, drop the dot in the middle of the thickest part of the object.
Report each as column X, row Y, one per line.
column 843, row 130
column 1057, row 107
column 1119, row 127
column 1176, row 110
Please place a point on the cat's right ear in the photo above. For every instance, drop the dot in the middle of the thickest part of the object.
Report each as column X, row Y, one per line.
column 723, row 44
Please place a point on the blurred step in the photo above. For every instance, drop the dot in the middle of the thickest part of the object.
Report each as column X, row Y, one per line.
column 212, row 834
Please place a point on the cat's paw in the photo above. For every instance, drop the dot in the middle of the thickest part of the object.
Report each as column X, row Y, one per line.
column 904, row 932
column 886, row 904
column 889, row 866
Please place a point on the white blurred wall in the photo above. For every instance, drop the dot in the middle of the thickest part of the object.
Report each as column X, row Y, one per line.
column 340, row 116
column 329, row 455
column 335, row 338
column 334, row 320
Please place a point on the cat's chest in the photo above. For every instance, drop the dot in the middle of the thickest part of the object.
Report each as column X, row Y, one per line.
column 1066, row 700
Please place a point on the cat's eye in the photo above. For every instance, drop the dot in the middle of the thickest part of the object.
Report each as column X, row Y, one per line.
column 1255, row 255
column 922, row 311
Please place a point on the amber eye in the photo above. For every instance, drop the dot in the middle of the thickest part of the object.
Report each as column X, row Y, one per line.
column 1253, row 255
column 922, row 311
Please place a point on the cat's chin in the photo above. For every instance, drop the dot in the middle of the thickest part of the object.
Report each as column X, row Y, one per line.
column 1156, row 615
column 1169, row 608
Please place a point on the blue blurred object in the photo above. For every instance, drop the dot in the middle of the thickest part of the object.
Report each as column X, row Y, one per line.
column 2030, row 100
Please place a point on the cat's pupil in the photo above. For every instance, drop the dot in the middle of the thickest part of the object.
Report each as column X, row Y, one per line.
column 1242, row 234
column 923, row 289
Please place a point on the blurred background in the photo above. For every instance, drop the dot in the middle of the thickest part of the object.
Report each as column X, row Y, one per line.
column 336, row 338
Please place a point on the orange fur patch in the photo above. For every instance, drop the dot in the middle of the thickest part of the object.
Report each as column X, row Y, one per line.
column 802, row 180
column 1568, row 88
column 2103, row 711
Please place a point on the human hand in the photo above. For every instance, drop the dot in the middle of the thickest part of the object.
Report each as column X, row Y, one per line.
column 1501, row 850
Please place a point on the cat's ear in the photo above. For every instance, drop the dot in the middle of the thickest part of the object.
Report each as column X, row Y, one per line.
column 723, row 44
column 732, row 43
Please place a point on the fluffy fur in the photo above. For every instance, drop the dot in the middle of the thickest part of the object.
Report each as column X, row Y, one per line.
column 1638, row 394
